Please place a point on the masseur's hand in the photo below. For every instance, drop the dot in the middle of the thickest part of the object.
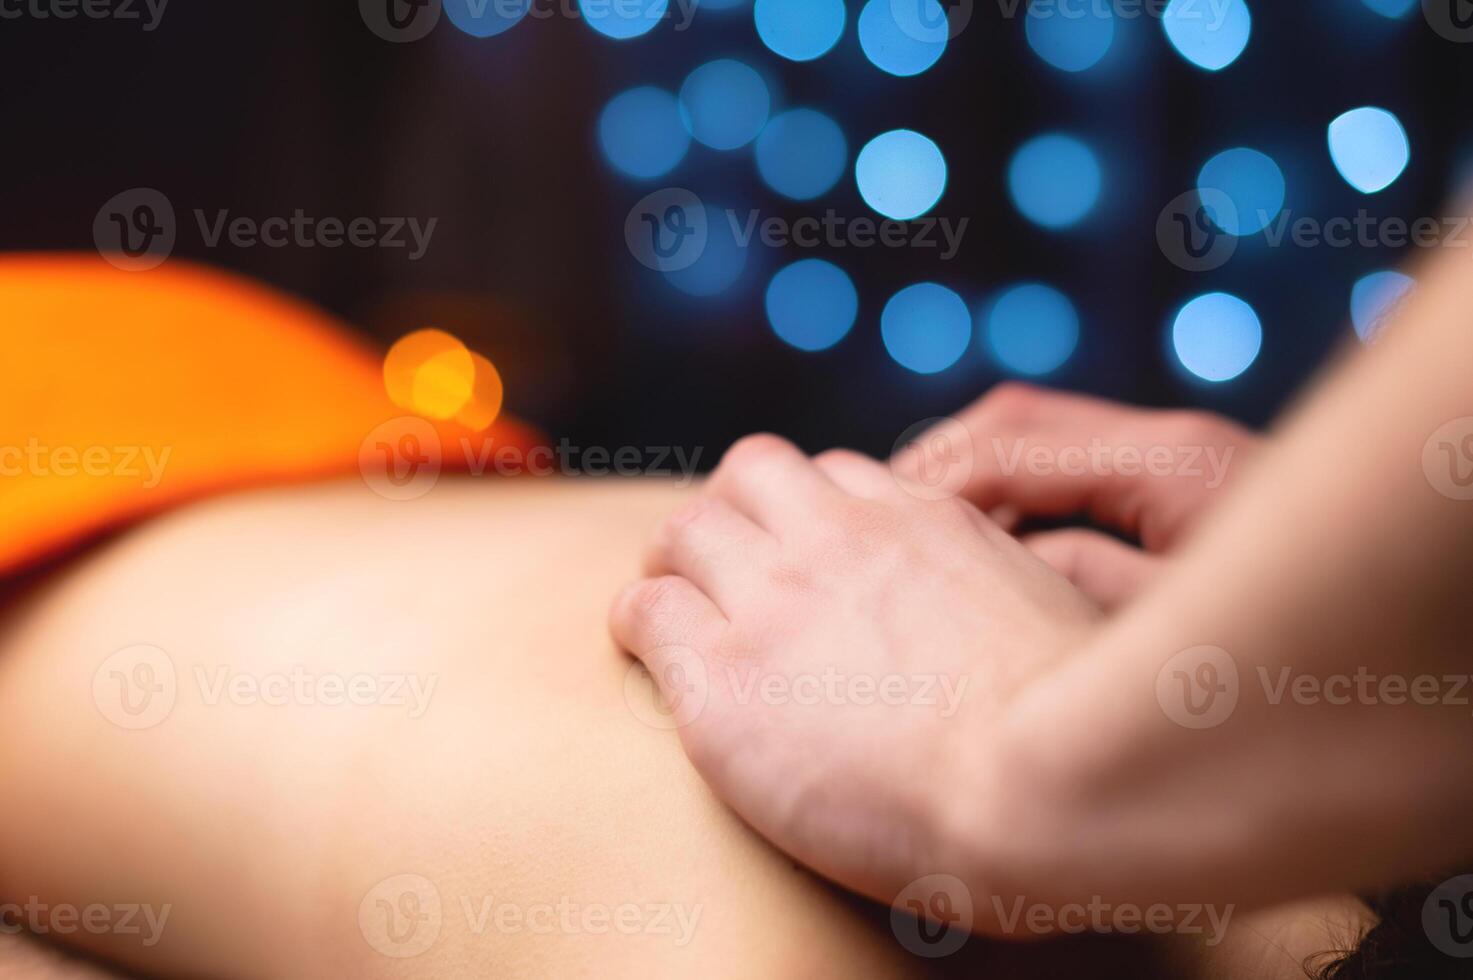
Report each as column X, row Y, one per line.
column 1032, row 452
column 837, row 652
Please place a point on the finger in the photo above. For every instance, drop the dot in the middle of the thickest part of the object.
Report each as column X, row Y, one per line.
column 1050, row 454
column 714, row 546
column 1110, row 572
column 658, row 619
column 772, row 482
column 857, row 474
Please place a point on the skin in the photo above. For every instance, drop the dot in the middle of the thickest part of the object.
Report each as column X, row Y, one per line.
column 530, row 778
column 1064, row 778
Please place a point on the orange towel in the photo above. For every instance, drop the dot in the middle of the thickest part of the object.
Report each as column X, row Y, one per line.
column 125, row 393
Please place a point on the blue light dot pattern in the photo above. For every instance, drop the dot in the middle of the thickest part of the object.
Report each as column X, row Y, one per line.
column 901, row 174
column 1054, row 180
column 812, row 304
column 1209, row 35
column 903, row 50
column 1217, row 336
column 802, row 154
column 926, row 328
column 1374, row 297
column 724, row 104
column 1032, row 329
column 641, row 132
column 1071, row 37
column 1253, row 183
column 486, row 18
column 720, row 263
column 620, row 19
column 1370, row 148
column 799, row 30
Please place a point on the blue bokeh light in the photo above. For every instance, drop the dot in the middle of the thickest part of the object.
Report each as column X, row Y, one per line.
column 1394, row 9
column 903, row 50
column 1253, row 183
column 1032, row 329
column 926, row 327
column 720, row 263
column 901, row 174
column 1209, row 35
column 1054, row 180
column 1373, row 297
column 623, row 20
column 1217, row 336
column 1370, row 148
column 799, row 30
column 812, row 304
column 801, row 154
column 1071, row 37
column 641, row 132
column 486, row 18
column 724, row 104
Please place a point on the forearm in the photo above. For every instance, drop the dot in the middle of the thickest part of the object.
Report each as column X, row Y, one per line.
column 1337, row 557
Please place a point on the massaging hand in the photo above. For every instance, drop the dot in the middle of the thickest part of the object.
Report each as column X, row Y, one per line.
column 836, row 651
column 1031, row 452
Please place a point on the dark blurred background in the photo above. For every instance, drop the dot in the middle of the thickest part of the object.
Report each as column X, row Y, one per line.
column 264, row 109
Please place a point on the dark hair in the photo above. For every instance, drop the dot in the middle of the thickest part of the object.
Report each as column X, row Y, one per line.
column 1397, row 946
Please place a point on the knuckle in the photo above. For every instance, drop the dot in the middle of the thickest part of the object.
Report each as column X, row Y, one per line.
column 655, row 598
column 755, row 449
column 1012, row 401
column 1190, row 427
column 841, row 457
column 690, row 516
